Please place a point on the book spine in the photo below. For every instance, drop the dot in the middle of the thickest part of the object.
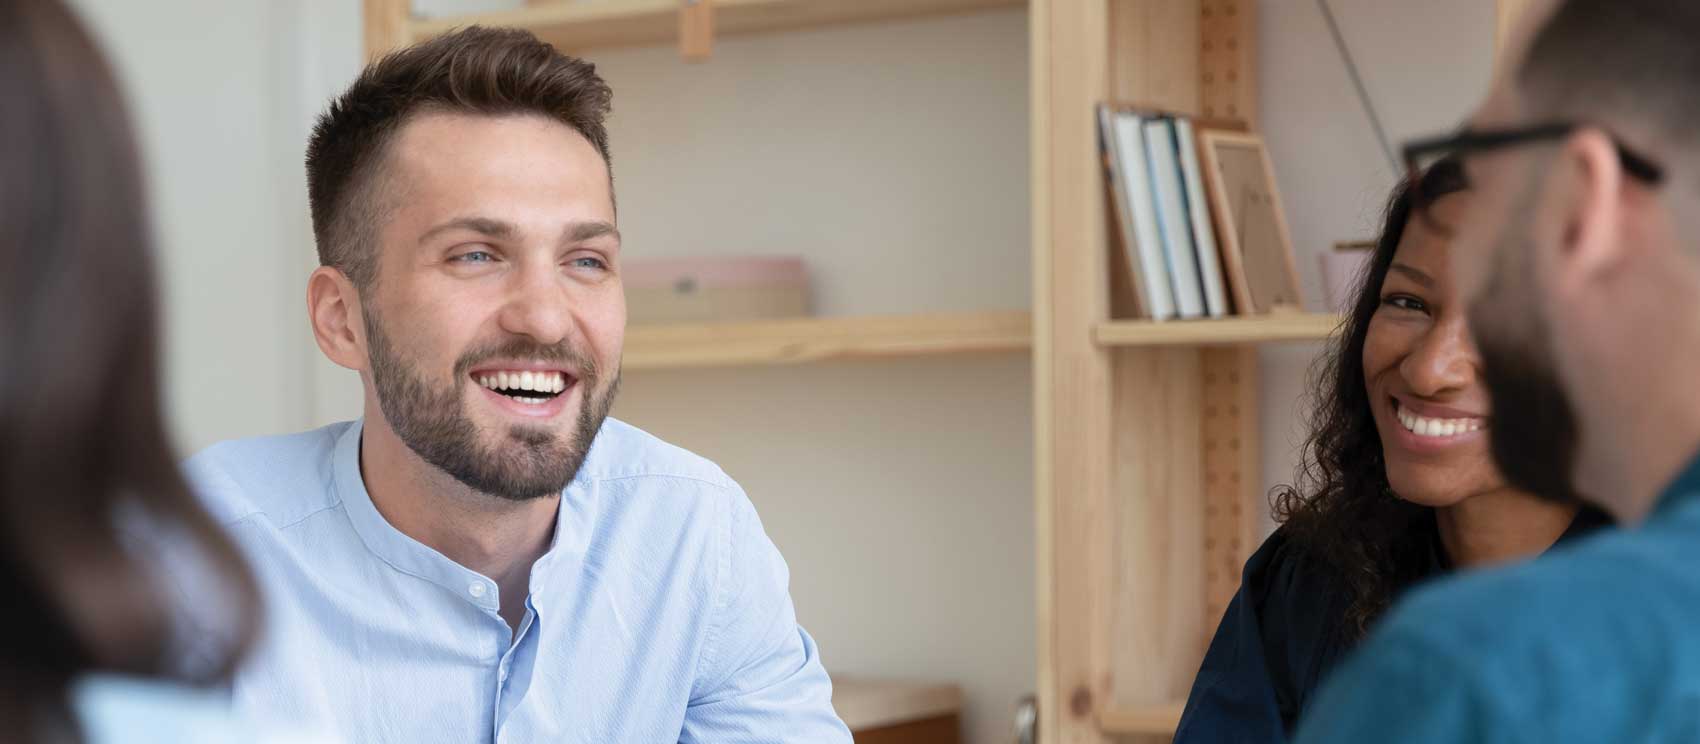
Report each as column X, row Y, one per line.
column 1203, row 231
column 1173, row 223
column 1132, row 284
column 1136, row 184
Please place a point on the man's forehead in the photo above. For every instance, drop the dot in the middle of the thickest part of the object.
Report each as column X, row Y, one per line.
column 460, row 157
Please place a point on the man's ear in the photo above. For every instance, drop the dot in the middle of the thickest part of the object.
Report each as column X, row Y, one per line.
column 1592, row 242
column 333, row 309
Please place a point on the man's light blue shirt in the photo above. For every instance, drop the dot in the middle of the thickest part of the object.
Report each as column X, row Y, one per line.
column 1597, row 641
column 660, row 613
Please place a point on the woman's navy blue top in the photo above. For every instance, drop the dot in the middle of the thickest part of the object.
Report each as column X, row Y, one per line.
column 1283, row 632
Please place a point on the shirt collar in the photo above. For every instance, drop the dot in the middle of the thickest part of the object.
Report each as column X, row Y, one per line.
column 1683, row 489
column 573, row 523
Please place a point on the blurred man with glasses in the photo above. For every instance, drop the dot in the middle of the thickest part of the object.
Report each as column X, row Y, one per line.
column 1579, row 256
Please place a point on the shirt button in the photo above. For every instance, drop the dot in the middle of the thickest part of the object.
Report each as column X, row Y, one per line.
column 476, row 589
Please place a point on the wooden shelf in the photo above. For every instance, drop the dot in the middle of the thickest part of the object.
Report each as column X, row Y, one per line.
column 865, row 704
column 587, row 24
column 1154, row 719
column 1217, row 332
column 821, row 339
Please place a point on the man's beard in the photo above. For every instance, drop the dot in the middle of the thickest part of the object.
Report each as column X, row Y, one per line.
column 1534, row 433
column 530, row 461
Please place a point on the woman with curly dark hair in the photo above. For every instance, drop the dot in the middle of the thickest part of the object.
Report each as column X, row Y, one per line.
column 1397, row 485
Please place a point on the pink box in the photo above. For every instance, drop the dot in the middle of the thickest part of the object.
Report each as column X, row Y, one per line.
column 700, row 290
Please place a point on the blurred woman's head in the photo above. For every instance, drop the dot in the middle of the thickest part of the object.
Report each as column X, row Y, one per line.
column 1400, row 412
column 91, row 504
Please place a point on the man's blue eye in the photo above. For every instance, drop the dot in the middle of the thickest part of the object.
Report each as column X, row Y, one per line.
column 475, row 257
column 589, row 263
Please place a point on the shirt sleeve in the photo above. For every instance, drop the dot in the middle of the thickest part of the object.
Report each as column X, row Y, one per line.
column 761, row 678
column 1403, row 688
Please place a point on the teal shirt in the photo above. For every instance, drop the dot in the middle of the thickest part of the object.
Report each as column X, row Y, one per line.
column 1597, row 641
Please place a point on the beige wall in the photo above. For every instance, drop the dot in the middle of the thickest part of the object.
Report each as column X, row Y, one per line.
column 212, row 88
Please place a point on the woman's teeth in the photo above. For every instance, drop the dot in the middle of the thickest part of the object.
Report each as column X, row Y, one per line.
column 513, row 383
column 1433, row 427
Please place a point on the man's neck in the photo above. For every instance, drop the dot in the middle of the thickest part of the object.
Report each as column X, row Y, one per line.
column 1500, row 526
column 1634, row 391
column 1640, row 452
column 497, row 537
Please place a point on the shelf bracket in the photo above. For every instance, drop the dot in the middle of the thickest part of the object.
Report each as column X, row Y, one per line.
column 696, row 30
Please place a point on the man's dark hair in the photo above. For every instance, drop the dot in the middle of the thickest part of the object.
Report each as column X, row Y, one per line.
column 489, row 71
column 1632, row 65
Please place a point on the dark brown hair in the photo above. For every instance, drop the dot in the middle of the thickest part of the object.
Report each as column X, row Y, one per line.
column 489, row 71
column 1629, row 63
column 1341, row 510
column 92, row 505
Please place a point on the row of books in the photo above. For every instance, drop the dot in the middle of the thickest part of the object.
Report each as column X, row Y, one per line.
column 1157, row 189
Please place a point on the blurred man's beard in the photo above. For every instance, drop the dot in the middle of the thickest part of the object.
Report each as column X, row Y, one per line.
column 529, row 462
column 1534, row 430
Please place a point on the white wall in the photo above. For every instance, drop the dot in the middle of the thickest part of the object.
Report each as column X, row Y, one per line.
column 208, row 86
column 1425, row 65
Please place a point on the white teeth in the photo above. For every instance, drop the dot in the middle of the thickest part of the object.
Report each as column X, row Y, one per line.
column 541, row 382
column 1430, row 427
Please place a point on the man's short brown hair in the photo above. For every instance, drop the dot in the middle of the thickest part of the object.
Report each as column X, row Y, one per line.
column 1630, row 65
column 489, row 71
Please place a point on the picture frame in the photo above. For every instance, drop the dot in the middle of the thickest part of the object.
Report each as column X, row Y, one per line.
column 1251, row 223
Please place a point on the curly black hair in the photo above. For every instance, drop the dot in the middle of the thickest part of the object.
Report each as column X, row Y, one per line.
column 1340, row 510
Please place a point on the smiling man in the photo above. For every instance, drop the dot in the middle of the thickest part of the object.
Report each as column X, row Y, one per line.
column 485, row 556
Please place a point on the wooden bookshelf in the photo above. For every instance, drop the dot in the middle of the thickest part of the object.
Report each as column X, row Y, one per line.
column 1222, row 331
column 825, row 339
column 1159, row 720
column 1147, row 437
column 593, row 24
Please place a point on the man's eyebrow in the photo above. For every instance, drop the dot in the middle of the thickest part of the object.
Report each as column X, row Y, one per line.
column 1414, row 274
column 579, row 232
column 482, row 225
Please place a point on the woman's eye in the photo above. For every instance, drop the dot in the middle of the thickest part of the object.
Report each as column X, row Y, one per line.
column 1405, row 302
column 474, row 257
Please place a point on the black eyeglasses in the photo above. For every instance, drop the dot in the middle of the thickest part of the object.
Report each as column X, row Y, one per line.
column 1422, row 155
